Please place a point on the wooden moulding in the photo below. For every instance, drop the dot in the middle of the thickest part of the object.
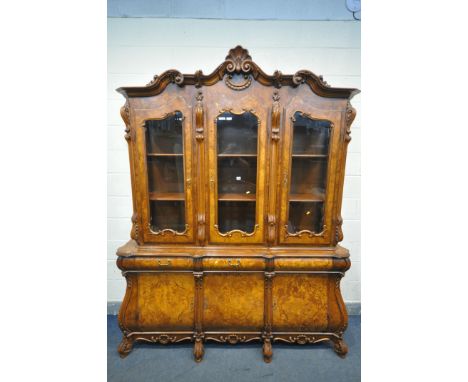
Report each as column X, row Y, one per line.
column 238, row 61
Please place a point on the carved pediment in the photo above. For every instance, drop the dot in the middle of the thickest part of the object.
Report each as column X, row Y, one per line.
column 238, row 71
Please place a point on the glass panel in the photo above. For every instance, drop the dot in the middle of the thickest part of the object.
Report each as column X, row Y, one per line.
column 237, row 134
column 310, row 150
column 164, row 136
column 167, row 215
column 165, row 162
column 166, row 174
column 305, row 216
column 237, row 171
column 237, row 175
column 236, row 215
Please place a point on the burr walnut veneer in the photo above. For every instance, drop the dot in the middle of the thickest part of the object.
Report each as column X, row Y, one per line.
column 237, row 182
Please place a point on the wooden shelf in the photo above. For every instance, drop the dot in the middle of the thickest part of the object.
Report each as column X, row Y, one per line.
column 237, row 197
column 307, row 197
column 236, row 155
column 310, row 155
column 164, row 155
column 167, row 196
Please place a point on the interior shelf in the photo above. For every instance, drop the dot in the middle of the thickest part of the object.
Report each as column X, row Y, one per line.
column 174, row 196
column 317, row 197
column 236, row 155
column 236, row 197
column 164, row 155
column 309, row 155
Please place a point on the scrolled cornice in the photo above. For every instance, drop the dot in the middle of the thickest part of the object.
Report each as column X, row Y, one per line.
column 239, row 62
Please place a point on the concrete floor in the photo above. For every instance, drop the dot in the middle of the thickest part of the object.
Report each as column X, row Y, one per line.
column 234, row 363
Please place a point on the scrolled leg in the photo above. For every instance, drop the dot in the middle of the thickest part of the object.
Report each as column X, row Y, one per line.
column 267, row 350
column 125, row 347
column 198, row 350
column 340, row 347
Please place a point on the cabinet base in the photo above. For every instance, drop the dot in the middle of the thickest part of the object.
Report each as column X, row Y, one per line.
column 300, row 338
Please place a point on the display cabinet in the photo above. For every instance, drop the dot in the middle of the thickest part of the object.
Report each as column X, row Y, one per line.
column 237, row 181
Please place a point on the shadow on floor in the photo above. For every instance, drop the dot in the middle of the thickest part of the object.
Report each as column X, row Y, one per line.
column 226, row 363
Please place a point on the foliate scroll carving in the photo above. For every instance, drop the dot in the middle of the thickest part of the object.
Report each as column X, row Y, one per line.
column 201, row 227
column 271, row 228
column 163, row 339
column 302, row 76
column 125, row 114
column 238, row 63
column 303, row 339
column 232, row 338
column 199, row 128
column 275, row 117
column 198, row 78
column 229, row 80
column 173, row 76
column 350, row 115
column 339, row 230
column 236, row 232
column 238, row 60
column 168, row 231
column 277, row 79
column 305, row 232
column 135, row 228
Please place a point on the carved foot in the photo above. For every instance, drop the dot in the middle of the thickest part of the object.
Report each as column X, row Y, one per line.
column 340, row 347
column 198, row 350
column 125, row 347
column 267, row 350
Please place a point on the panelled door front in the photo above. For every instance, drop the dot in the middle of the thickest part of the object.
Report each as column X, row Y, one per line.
column 308, row 173
column 164, row 171
column 237, row 170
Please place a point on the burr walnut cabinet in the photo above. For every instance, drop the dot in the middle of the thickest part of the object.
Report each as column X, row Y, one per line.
column 237, row 182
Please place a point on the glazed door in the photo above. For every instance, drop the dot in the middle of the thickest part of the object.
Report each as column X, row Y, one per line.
column 236, row 156
column 308, row 175
column 164, row 152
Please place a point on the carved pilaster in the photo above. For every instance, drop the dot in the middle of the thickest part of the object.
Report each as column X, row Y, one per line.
column 201, row 227
column 198, row 309
column 199, row 128
column 275, row 117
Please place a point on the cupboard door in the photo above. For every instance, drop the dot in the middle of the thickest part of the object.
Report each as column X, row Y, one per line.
column 308, row 177
column 165, row 168
column 236, row 154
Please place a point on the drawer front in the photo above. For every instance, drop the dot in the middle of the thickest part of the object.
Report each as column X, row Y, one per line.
column 303, row 264
column 233, row 264
column 156, row 263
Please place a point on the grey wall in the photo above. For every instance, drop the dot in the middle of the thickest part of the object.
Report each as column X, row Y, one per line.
column 232, row 9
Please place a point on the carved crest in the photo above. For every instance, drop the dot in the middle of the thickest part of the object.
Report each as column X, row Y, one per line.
column 238, row 60
column 238, row 71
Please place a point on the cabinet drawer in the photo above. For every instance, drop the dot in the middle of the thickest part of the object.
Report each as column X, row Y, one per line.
column 156, row 263
column 233, row 264
column 303, row 264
